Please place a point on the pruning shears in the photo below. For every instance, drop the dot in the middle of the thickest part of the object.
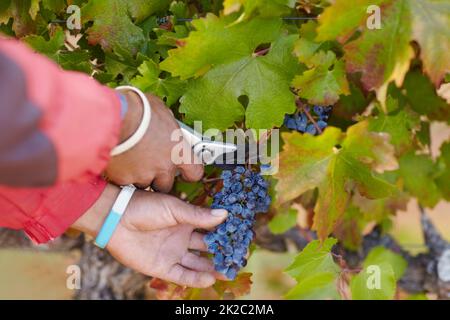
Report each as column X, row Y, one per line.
column 221, row 154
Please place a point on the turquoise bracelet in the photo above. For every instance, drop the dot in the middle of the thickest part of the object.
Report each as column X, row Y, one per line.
column 114, row 216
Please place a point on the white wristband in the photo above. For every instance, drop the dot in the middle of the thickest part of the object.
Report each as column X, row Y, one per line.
column 143, row 126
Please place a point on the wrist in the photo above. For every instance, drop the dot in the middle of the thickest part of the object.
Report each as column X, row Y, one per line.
column 92, row 220
column 132, row 116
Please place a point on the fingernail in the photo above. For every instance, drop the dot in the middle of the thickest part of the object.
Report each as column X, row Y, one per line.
column 219, row 212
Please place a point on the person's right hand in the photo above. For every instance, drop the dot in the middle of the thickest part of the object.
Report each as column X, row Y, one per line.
column 157, row 236
column 149, row 163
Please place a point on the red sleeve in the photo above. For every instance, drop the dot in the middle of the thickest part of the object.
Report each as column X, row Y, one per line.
column 46, row 213
column 79, row 117
column 56, row 132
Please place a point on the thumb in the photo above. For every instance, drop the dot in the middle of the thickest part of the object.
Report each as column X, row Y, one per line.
column 199, row 217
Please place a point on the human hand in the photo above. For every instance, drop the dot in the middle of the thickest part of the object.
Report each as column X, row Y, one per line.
column 149, row 162
column 156, row 236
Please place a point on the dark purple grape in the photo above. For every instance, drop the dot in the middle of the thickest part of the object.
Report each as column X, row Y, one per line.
column 244, row 194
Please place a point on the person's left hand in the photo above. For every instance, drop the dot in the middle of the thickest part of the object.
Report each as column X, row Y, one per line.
column 157, row 236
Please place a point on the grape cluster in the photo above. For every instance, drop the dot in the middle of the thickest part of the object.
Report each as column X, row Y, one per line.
column 244, row 194
column 300, row 121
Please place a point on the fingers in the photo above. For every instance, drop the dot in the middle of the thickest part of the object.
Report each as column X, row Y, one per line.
column 199, row 217
column 185, row 277
column 196, row 242
column 191, row 172
column 197, row 263
column 163, row 183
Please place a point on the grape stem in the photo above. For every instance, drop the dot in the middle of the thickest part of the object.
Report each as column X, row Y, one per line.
column 209, row 180
column 308, row 114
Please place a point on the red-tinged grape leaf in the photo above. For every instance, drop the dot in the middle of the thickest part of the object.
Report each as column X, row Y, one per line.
column 114, row 22
column 377, row 210
column 266, row 8
column 422, row 97
column 333, row 199
column 169, row 291
column 349, row 229
column 304, row 162
column 343, row 17
column 383, row 55
column 322, row 85
column 418, row 173
column 214, row 42
column 23, row 13
column 308, row 162
column 238, row 287
column 371, row 148
column 431, row 21
column 264, row 80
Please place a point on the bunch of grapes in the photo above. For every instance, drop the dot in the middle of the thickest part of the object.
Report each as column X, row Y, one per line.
column 302, row 123
column 244, row 194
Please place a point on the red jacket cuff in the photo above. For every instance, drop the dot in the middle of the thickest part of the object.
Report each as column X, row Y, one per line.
column 61, row 207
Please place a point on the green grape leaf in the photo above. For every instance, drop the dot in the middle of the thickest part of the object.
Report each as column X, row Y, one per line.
column 374, row 282
column 49, row 47
column 264, row 80
column 114, row 22
column 382, row 268
column 308, row 162
column 54, row 5
column 215, row 42
column 343, row 17
column 169, row 89
column 401, row 127
column 422, row 97
column 314, row 258
column 418, row 173
column 319, row 286
column 77, row 60
column 443, row 179
column 283, row 221
column 122, row 62
column 383, row 55
column 380, row 255
column 4, row 5
column 315, row 271
column 325, row 81
column 267, row 8
column 323, row 84
column 431, row 21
